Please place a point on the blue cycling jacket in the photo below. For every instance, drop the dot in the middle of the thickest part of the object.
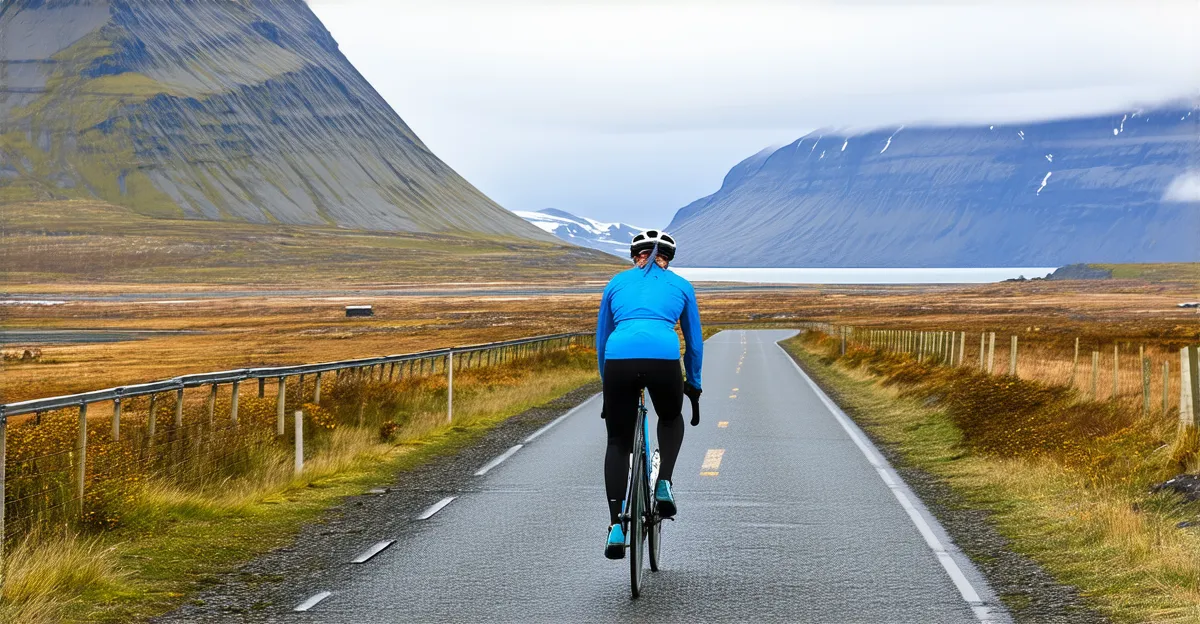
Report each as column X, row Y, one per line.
column 637, row 319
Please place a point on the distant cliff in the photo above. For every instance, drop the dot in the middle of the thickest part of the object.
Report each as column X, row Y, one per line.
column 1114, row 188
column 215, row 110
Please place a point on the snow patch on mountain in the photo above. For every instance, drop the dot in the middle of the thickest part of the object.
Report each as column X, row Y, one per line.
column 608, row 237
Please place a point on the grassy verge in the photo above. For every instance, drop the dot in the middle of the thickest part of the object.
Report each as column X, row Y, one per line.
column 1063, row 479
column 170, row 540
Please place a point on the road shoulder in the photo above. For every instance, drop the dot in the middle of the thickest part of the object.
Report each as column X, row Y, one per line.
column 1029, row 592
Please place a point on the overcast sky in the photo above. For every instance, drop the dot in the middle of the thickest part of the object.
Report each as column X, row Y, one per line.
column 624, row 110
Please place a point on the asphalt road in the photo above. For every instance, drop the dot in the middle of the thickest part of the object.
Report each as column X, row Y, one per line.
column 798, row 524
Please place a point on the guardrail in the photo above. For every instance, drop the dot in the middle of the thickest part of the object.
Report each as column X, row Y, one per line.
column 374, row 369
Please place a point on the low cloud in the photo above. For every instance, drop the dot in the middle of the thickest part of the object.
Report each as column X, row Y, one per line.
column 1184, row 189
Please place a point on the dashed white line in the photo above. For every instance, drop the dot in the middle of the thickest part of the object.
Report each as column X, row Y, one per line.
column 496, row 461
column 436, row 507
column 968, row 592
column 375, row 549
column 533, row 436
column 312, row 601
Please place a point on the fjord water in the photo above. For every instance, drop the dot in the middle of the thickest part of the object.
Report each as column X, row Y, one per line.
column 860, row 276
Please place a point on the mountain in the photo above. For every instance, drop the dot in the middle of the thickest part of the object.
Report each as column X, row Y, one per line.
column 1113, row 188
column 224, row 110
column 613, row 238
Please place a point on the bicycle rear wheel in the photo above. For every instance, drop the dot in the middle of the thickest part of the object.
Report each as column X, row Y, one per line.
column 654, row 531
column 637, row 516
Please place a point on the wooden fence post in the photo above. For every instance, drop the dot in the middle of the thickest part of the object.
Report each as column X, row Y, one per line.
column 1095, row 375
column 450, row 386
column 1187, row 417
column 1193, row 382
column 982, row 351
column 280, row 403
column 3, row 492
column 81, row 455
column 1075, row 362
column 991, row 367
column 1145, row 385
column 962, row 347
column 1012, row 357
column 1166, row 396
column 1116, row 371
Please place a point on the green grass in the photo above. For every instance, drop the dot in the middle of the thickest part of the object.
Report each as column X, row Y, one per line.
column 1188, row 272
column 1110, row 538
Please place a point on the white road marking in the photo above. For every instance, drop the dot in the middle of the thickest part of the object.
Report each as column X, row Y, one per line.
column 968, row 592
column 533, row 436
column 496, row 461
column 375, row 549
column 312, row 601
column 436, row 507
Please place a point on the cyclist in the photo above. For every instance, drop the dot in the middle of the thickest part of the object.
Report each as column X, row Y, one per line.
column 637, row 348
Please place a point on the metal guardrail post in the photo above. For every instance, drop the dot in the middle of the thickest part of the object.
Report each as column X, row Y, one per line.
column 116, row 420
column 179, row 407
column 262, row 387
column 212, row 403
column 317, row 390
column 299, row 442
column 280, row 403
column 151, row 419
column 233, row 404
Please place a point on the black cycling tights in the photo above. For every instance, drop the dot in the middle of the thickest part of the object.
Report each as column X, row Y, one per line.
column 623, row 383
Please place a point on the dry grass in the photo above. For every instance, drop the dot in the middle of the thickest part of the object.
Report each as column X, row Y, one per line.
column 84, row 241
column 1066, row 478
column 39, row 570
column 130, row 574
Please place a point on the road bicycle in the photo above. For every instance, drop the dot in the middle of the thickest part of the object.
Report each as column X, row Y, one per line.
column 639, row 517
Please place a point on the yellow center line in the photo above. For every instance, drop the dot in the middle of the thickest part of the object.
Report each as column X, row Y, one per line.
column 733, row 396
column 723, row 424
column 712, row 462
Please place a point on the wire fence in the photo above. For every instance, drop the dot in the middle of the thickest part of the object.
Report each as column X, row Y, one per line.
column 1156, row 375
column 74, row 460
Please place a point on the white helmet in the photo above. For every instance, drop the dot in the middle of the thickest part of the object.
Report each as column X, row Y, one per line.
column 651, row 239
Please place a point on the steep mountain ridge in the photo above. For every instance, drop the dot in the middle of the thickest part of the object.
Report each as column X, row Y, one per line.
column 1112, row 188
column 612, row 238
column 215, row 110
